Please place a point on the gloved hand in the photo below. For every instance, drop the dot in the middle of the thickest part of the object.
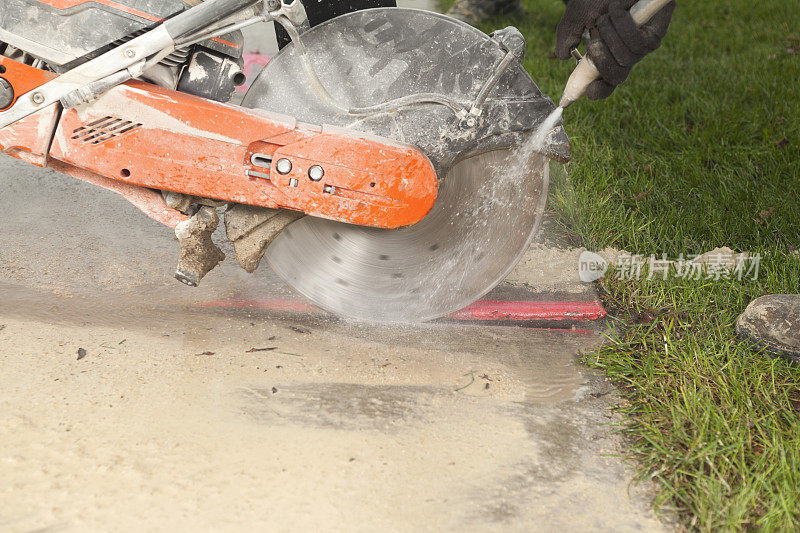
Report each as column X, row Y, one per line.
column 615, row 44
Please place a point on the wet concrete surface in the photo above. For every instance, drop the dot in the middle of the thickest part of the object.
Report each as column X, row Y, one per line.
column 189, row 417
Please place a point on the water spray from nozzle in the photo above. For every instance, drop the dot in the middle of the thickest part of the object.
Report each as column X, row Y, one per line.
column 540, row 137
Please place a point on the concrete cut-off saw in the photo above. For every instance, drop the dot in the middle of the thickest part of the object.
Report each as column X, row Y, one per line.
column 380, row 161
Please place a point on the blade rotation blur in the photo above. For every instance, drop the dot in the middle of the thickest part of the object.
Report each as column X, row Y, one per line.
column 483, row 221
column 488, row 205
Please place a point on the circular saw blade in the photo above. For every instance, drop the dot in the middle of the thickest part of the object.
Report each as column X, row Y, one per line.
column 488, row 204
column 485, row 217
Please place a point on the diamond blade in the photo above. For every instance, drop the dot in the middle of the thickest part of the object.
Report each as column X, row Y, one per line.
column 488, row 205
column 488, row 211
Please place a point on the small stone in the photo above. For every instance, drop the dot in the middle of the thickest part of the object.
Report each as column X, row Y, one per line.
column 772, row 323
column 81, row 353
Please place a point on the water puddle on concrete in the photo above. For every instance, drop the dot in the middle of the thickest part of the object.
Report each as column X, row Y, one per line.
column 534, row 365
column 546, row 364
column 346, row 406
column 552, row 380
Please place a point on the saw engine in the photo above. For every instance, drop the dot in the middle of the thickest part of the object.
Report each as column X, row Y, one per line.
column 366, row 161
column 66, row 33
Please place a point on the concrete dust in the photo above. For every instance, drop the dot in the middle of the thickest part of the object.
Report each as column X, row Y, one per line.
column 547, row 267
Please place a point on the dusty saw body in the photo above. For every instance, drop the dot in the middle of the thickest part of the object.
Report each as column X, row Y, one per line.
column 360, row 121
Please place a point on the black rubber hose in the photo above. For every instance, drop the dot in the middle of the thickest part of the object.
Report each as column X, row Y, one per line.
column 202, row 15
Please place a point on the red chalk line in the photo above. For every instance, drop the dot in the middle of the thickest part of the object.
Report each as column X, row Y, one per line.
column 480, row 310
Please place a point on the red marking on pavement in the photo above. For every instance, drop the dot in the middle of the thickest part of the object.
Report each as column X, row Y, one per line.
column 579, row 331
column 526, row 311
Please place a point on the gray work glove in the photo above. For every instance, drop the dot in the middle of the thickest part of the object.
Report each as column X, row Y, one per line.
column 615, row 44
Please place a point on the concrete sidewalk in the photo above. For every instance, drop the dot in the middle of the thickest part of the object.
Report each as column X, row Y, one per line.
column 184, row 417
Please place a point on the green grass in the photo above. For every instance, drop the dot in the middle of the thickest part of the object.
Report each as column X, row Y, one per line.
column 714, row 423
column 699, row 148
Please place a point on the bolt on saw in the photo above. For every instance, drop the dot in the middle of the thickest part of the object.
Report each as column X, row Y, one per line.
column 378, row 162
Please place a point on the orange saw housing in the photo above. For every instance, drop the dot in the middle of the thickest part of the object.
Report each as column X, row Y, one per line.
column 148, row 136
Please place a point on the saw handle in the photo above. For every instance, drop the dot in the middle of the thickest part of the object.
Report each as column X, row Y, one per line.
column 203, row 15
column 585, row 73
column 643, row 10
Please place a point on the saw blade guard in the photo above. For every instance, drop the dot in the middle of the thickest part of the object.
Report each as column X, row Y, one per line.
column 491, row 195
column 415, row 76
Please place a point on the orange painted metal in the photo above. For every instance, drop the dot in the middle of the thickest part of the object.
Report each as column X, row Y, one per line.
column 147, row 136
column 29, row 138
column 22, row 77
column 153, row 137
column 225, row 42
column 68, row 4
